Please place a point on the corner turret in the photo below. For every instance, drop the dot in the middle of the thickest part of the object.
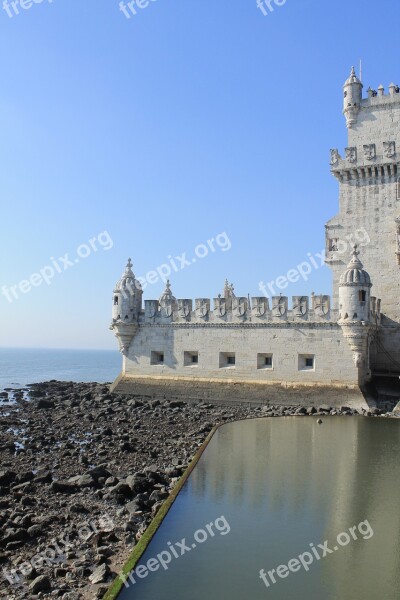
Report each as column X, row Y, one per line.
column 352, row 98
column 127, row 304
column 355, row 311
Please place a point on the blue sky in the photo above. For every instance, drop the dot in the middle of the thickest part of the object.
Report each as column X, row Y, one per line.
column 185, row 121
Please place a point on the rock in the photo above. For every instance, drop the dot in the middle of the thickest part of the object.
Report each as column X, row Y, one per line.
column 85, row 481
column 319, row 421
column 311, row 411
column 99, row 471
column 63, row 487
column 40, row 584
column 301, row 411
column 100, row 574
column 44, row 403
column 7, row 477
column 121, row 489
column 325, row 408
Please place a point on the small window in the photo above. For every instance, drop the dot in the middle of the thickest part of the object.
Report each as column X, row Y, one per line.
column 157, row 358
column 264, row 361
column 362, row 295
column 306, row 362
column 398, row 189
column 190, row 359
column 115, row 300
column 227, row 360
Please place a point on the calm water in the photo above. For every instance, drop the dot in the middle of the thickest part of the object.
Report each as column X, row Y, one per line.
column 282, row 484
column 19, row 367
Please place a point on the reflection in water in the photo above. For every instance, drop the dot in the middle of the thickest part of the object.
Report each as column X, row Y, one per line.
column 283, row 484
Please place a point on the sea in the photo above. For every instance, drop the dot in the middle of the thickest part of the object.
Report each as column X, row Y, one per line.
column 19, row 367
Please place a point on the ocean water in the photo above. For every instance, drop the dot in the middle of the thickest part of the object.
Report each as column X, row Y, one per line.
column 18, row 366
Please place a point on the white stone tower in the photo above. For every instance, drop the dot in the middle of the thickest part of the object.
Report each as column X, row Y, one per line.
column 355, row 316
column 369, row 192
column 127, row 304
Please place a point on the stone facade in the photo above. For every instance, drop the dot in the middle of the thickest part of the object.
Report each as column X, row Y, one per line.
column 236, row 348
column 369, row 200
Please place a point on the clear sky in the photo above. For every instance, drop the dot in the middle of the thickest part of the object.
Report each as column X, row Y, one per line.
column 152, row 134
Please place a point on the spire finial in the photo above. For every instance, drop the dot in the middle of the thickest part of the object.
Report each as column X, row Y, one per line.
column 355, row 250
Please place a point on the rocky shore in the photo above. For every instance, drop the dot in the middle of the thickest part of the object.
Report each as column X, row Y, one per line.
column 82, row 474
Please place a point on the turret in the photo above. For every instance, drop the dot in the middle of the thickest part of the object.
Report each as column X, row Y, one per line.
column 127, row 297
column 355, row 311
column 127, row 304
column 352, row 98
column 355, row 292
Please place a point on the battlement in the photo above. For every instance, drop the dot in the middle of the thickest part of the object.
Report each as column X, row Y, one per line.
column 379, row 97
column 241, row 309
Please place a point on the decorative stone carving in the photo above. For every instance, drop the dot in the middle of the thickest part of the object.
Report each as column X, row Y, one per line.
column 279, row 306
column 334, row 156
column 369, row 151
column 300, row 305
column 389, row 149
column 240, row 306
column 151, row 308
column 167, row 301
column 351, row 154
column 202, row 307
column 260, row 305
column 184, row 308
column 321, row 305
column 220, row 306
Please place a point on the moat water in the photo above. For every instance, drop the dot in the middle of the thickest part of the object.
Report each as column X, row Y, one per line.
column 281, row 485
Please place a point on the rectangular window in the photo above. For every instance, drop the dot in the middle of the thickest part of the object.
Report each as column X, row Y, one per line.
column 115, row 300
column 157, row 358
column 190, row 358
column 227, row 360
column 264, row 361
column 306, row 362
column 362, row 295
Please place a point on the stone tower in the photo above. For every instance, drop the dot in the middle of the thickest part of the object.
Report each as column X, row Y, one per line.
column 369, row 195
column 355, row 317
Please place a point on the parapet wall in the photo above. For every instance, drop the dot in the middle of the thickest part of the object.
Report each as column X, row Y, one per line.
column 241, row 310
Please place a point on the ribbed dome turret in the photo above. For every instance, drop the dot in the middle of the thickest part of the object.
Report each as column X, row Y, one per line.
column 353, row 78
column 355, row 273
column 128, row 280
column 167, row 297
